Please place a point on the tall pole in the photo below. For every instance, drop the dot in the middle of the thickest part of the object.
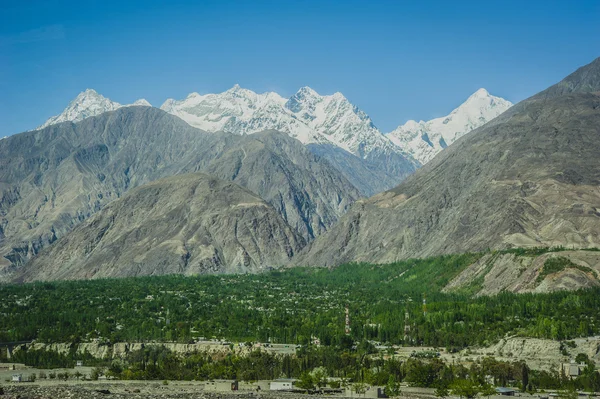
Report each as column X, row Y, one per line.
column 406, row 325
column 347, row 321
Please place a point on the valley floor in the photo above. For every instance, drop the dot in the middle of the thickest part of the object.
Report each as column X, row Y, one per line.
column 174, row 390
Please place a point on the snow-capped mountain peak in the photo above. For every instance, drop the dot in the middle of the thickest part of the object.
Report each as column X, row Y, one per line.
column 309, row 117
column 239, row 111
column 142, row 102
column 480, row 93
column 306, row 116
column 341, row 122
column 304, row 100
column 88, row 103
column 423, row 140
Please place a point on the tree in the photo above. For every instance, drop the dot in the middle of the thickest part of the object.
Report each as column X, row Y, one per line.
column 96, row 373
column 345, row 342
column 464, row 388
column 592, row 383
column 442, row 392
column 524, row 376
column 392, row 387
column 78, row 375
column 487, row 390
column 359, row 388
column 115, row 369
column 306, row 381
column 319, row 377
column 570, row 393
column 581, row 358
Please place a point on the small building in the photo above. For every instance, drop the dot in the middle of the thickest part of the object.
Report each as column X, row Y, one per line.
column 17, row 377
column 370, row 392
column 254, row 386
column 572, row 370
column 506, row 391
column 79, row 363
column 282, row 384
column 221, row 386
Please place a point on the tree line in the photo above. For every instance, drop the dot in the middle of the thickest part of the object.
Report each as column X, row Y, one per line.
column 335, row 365
column 294, row 306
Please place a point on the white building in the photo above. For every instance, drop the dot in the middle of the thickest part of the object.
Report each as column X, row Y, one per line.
column 17, row 378
column 282, row 385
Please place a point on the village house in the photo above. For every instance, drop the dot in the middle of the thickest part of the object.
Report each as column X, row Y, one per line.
column 506, row 391
column 282, row 384
column 221, row 386
column 254, row 386
column 572, row 370
column 370, row 392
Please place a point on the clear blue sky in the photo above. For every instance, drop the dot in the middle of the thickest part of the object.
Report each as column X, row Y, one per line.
column 397, row 60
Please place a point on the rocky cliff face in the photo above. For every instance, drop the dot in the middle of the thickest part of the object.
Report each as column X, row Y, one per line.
column 186, row 224
column 308, row 192
column 539, row 354
column 366, row 175
column 54, row 178
column 496, row 273
column 528, row 178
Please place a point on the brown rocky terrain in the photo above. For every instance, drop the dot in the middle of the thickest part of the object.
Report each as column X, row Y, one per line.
column 528, row 178
column 185, row 224
column 495, row 273
column 539, row 354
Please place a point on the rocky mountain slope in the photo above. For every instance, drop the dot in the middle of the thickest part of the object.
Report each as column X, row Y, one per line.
column 528, row 178
column 88, row 103
column 53, row 179
column 324, row 123
column 185, row 224
column 423, row 140
column 307, row 191
column 520, row 273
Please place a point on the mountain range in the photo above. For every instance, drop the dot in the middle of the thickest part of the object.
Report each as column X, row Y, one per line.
column 528, row 178
column 326, row 124
column 268, row 182
column 55, row 178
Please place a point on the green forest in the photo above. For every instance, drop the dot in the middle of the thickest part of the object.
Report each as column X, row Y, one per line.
column 293, row 305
